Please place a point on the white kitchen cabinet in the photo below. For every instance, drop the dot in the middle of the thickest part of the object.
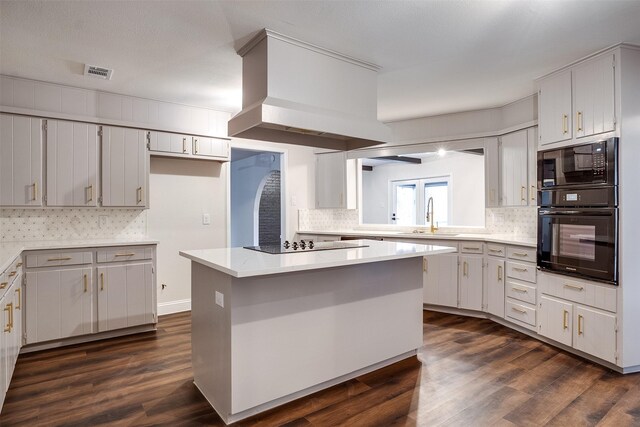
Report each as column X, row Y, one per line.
column 514, row 160
column 555, row 319
column 594, row 332
column 532, row 165
column 125, row 295
column 593, row 96
column 492, row 172
column 165, row 142
column 5, row 339
column 20, row 161
column 554, row 108
column 495, row 286
column 210, row 147
column 440, row 280
column 470, row 280
column 59, row 303
column 72, row 163
column 331, row 180
column 125, row 167
column 10, row 333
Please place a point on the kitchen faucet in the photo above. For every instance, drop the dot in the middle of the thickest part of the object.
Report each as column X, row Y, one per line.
column 431, row 215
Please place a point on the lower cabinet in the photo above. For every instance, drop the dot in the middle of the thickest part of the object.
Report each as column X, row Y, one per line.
column 440, row 272
column 11, row 333
column 495, row 286
column 584, row 328
column 60, row 304
column 125, row 296
column 470, row 282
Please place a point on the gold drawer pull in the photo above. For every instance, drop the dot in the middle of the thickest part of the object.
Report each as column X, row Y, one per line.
column 13, row 273
column 19, row 305
column 524, row 291
column 523, row 191
column 18, row 265
column 470, row 248
column 67, row 258
column 520, row 254
column 533, row 193
column 495, row 251
column 565, row 321
column 523, row 270
column 499, row 273
column 184, row 145
column 565, row 124
column 3, row 285
column 580, row 319
column 35, row 191
column 425, row 265
column 140, row 194
column 131, row 254
column 90, row 190
column 577, row 288
column 519, row 310
column 9, row 309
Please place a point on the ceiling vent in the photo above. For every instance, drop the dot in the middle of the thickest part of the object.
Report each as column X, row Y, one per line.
column 99, row 72
column 297, row 93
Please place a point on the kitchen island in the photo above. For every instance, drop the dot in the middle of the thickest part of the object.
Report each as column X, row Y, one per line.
column 268, row 329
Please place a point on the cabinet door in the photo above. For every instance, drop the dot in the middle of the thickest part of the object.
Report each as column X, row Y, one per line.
column 495, row 286
column 514, row 169
column 440, row 286
column 5, row 313
column 554, row 108
column 20, row 161
column 492, row 172
column 470, row 282
column 14, row 337
column 125, row 296
column 72, row 164
column 124, row 167
column 331, row 184
column 532, row 165
column 210, row 147
column 595, row 332
column 555, row 319
column 59, row 304
column 169, row 142
column 593, row 96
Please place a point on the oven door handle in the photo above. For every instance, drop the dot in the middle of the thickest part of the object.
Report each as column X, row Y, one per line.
column 580, row 213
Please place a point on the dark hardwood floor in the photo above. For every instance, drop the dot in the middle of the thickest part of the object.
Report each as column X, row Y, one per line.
column 470, row 372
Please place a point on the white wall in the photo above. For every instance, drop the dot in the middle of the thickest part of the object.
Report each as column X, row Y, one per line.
column 246, row 176
column 467, row 185
column 180, row 192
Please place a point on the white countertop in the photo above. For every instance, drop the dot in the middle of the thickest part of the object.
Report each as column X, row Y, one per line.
column 508, row 239
column 240, row 262
column 10, row 250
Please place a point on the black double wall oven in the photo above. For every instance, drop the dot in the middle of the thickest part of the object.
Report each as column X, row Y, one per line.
column 578, row 213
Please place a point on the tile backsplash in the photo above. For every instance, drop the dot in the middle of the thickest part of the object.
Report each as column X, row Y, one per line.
column 323, row 219
column 520, row 221
column 69, row 224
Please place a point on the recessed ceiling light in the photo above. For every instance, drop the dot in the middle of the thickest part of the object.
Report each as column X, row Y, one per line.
column 442, row 152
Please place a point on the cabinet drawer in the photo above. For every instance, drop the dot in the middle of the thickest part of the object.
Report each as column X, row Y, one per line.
column 496, row 250
column 580, row 291
column 520, row 312
column 126, row 253
column 471, row 247
column 57, row 259
column 521, row 271
column 523, row 254
column 521, row 292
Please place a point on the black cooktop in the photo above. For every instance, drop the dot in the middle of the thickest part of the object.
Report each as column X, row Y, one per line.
column 305, row 246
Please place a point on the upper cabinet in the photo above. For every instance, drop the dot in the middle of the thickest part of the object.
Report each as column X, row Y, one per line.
column 211, row 147
column 518, row 168
column 578, row 102
column 125, row 168
column 336, row 181
column 188, row 146
column 164, row 142
column 72, row 163
column 20, row 161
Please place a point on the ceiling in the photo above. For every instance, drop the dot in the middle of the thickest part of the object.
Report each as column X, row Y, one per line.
column 436, row 56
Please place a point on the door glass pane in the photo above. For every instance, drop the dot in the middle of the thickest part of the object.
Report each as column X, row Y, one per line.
column 440, row 193
column 575, row 241
column 405, row 204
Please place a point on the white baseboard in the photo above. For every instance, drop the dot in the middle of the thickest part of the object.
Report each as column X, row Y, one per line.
column 174, row 306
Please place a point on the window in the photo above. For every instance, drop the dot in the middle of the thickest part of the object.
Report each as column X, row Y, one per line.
column 409, row 206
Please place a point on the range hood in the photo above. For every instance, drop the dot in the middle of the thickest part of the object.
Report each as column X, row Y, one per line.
column 298, row 93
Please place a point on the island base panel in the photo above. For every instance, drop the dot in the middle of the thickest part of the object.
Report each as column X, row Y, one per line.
column 279, row 337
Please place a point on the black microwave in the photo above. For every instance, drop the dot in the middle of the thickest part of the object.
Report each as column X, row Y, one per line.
column 585, row 165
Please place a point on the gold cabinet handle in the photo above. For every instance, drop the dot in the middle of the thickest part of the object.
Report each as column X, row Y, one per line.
column 195, row 140
column 565, row 319
column 140, row 194
column 521, row 254
column 35, row 191
column 102, row 281
column 425, row 265
column 86, row 285
column 533, row 193
column 499, row 273
column 184, row 145
column 580, row 319
column 129, row 254
column 519, row 310
column 9, row 309
column 524, row 291
column 565, row 124
column 67, row 258
column 19, row 264
column 468, row 248
column 579, row 121
column 465, row 269
column 570, row 286
column 523, row 191
column 13, row 273
column 3, row 285
column 19, row 305
column 90, row 191
column 495, row 251
column 523, row 270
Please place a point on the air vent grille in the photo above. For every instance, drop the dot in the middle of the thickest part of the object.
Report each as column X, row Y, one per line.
column 98, row 72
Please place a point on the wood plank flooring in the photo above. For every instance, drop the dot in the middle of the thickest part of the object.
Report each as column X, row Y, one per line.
column 470, row 372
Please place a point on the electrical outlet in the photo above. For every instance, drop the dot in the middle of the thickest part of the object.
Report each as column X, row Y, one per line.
column 206, row 219
column 103, row 221
column 294, row 201
column 220, row 299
